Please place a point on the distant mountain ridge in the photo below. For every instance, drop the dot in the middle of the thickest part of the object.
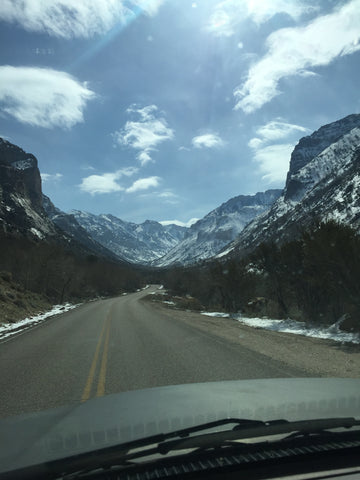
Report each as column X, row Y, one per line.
column 138, row 243
column 209, row 235
column 26, row 212
column 323, row 183
column 68, row 224
column 162, row 245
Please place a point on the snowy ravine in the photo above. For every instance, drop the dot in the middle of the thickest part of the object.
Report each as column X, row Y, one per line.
column 292, row 326
column 10, row 329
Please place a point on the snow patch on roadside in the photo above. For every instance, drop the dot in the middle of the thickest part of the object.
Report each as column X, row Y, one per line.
column 9, row 329
column 157, row 292
column 292, row 326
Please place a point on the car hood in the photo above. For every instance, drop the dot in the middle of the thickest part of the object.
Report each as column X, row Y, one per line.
column 36, row 438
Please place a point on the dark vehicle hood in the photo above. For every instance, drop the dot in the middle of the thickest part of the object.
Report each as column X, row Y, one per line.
column 39, row 437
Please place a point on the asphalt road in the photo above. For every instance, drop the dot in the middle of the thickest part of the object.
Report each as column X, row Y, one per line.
column 117, row 345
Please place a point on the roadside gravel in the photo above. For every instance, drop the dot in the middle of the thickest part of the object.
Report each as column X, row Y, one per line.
column 320, row 358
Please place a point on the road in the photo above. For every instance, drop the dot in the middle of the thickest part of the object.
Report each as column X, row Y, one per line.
column 116, row 345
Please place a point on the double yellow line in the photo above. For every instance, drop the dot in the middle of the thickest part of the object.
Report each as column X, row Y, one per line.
column 102, row 373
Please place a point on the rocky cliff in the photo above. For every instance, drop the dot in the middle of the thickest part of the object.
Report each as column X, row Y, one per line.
column 21, row 208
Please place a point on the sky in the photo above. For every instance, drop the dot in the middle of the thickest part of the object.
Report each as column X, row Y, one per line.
column 164, row 109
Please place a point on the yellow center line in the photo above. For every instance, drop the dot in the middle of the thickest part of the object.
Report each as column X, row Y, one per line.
column 87, row 389
column 102, row 375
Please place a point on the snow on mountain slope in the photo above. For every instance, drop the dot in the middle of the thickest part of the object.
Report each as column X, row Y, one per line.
column 333, row 198
column 318, row 155
column 323, row 182
column 21, row 208
column 138, row 243
column 26, row 211
column 310, row 146
column 219, row 227
column 323, row 187
column 68, row 224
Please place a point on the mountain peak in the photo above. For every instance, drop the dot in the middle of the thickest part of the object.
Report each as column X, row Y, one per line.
column 323, row 184
column 209, row 235
column 312, row 145
column 138, row 243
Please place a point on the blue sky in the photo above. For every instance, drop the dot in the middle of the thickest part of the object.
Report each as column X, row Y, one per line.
column 164, row 109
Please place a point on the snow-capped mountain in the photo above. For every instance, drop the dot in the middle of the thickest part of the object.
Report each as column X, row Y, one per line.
column 323, row 183
column 68, row 224
column 138, row 243
column 209, row 235
column 26, row 212
column 318, row 155
column 21, row 210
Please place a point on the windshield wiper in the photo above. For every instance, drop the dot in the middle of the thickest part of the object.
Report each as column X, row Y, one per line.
column 124, row 454
column 263, row 429
column 147, row 446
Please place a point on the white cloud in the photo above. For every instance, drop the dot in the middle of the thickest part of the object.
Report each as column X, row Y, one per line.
column 273, row 161
column 107, row 182
column 273, row 157
column 42, row 97
column 143, row 184
column 73, row 18
column 228, row 15
column 276, row 130
column 255, row 143
column 51, row 177
column 145, row 133
column 179, row 223
column 167, row 194
column 168, row 197
column 292, row 51
column 144, row 158
column 208, row 140
column 87, row 167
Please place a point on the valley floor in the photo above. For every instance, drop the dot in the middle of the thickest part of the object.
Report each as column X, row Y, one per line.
column 131, row 342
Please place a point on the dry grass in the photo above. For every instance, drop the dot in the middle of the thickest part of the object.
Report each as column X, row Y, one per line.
column 182, row 303
column 17, row 303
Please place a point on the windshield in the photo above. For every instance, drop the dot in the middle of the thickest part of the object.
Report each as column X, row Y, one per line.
column 179, row 204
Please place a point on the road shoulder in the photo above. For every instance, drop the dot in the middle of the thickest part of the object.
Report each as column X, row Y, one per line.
column 321, row 358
